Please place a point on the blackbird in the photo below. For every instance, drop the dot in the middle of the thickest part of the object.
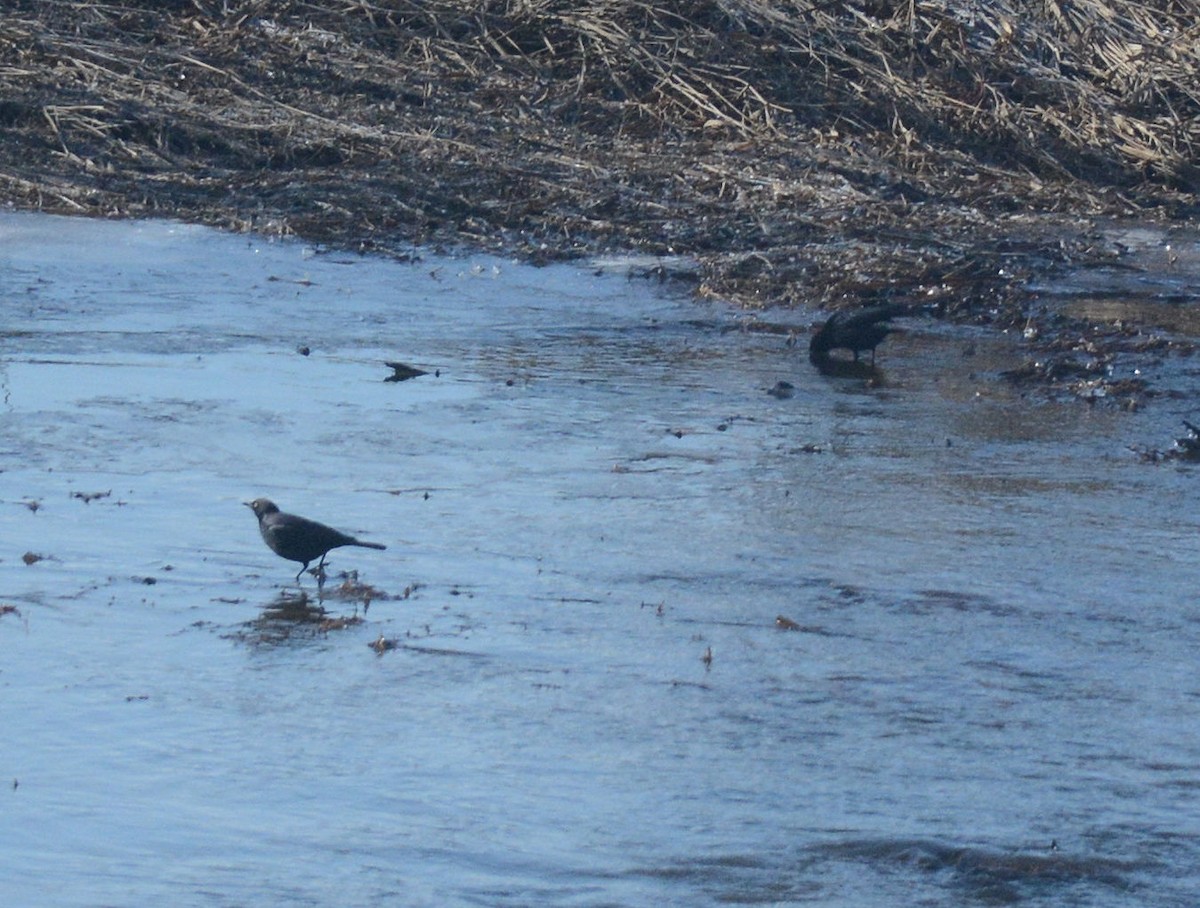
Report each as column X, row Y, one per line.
column 298, row 538
column 853, row 331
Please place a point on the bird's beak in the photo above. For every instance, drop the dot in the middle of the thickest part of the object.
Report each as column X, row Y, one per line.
column 249, row 504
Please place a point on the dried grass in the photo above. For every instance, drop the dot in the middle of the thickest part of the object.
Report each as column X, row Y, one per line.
column 797, row 148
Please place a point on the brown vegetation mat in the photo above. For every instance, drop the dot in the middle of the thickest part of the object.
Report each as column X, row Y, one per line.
column 811, row 150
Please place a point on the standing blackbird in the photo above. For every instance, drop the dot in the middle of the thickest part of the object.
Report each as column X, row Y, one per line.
column 298, row 538
column 853, row 331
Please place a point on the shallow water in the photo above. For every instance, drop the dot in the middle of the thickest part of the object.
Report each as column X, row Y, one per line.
column 995, row 599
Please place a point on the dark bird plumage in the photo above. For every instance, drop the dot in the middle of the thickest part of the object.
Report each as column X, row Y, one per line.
column 856, row 331
column 298, row 538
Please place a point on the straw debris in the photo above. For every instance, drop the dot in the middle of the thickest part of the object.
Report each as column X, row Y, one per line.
column 800, row 151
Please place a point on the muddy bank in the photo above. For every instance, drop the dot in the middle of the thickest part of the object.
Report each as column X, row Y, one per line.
column 828, row 155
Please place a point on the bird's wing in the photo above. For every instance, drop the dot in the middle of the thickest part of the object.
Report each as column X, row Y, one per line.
column 871, row 315
column 299, row 533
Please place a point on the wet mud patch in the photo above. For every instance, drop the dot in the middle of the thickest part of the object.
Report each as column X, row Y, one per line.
column 289, row 618
column 1120, row 334
column 299, row 614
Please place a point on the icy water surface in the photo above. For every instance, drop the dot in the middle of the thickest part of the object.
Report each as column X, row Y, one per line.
column 987, row 693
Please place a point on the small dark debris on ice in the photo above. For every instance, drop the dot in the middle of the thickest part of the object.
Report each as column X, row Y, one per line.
column 89, row 497
column 382, row 645
column 403, row 371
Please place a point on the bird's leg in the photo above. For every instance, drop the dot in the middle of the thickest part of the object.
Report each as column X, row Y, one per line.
column 320, row 572
column 301, row 571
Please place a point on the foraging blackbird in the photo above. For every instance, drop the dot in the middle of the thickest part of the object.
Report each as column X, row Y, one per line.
column 853, row 331
column 298, row 538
